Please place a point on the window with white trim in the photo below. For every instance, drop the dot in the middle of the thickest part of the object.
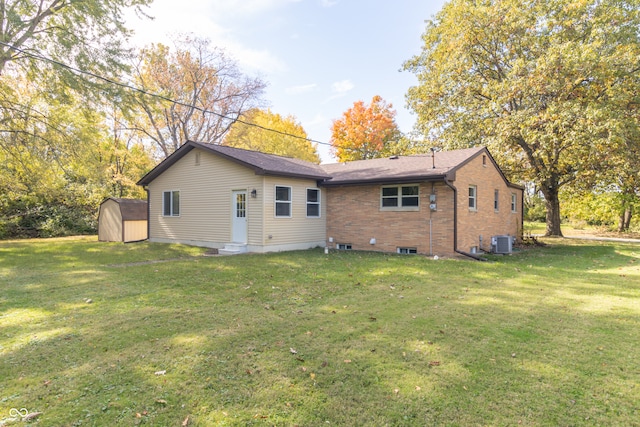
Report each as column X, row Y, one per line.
column 171, row 203
column 313, row 203
column 514, row 203
column 473, row 197
column 283, row 202
column 343, row 246
column 402, row 197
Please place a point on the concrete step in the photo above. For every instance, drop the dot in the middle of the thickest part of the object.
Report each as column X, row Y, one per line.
column 233, row 249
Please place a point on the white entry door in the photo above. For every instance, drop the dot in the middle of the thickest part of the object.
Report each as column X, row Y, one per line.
column 239, row 221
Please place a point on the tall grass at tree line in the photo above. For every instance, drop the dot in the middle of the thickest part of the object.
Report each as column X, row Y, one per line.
column 106, row 334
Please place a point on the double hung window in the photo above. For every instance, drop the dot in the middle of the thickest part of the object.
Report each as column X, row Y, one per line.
column 313, row 203
column 283, row 201
column 473, row 197
column 171, row 203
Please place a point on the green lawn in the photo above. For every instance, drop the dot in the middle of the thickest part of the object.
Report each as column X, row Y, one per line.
column 102, row 334
column 580, row 230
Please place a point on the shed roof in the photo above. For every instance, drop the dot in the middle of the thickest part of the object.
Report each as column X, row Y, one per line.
column 131, row 209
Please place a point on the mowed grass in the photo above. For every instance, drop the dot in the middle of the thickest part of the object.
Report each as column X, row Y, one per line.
column 103, row 334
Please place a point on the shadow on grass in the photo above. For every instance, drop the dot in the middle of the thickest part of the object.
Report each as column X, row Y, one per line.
column 351, row 339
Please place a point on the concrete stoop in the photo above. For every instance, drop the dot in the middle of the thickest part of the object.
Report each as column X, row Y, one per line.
column 233, row 249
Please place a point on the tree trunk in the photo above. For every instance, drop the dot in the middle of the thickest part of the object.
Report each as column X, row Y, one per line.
column 625, row 218
column 552, row 202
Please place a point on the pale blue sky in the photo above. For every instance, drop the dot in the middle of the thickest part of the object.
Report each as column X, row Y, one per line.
column 317, row 56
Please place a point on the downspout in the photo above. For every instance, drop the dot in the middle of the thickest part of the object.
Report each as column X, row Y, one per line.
column 455, row 223
column 522, row 215
column 430, row 237
column 433, row 187
column 146, row 189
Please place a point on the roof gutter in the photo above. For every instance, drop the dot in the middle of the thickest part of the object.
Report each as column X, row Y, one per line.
column 260, row 171
column 377, row 181
column 455, row 223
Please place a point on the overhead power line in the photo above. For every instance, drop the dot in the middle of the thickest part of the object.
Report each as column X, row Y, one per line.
column 40, row 57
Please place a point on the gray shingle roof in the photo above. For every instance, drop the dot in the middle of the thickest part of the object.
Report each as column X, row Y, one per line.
column 261, row 163
column 268, row 164
column 396, row 169
column 399, row 168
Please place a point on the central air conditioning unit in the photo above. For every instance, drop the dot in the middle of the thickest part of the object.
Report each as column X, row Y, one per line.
column 501, row 244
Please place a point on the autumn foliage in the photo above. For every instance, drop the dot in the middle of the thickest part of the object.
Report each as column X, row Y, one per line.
column 549, row 86
column 364, row 131
column 269, row 132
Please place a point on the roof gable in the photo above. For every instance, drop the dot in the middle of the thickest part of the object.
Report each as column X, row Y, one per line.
column 260, row 163
column 436, row 166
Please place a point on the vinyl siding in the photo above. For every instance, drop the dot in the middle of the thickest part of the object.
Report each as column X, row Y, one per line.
column 298, row 229
column 205, row 201
column 206, row 206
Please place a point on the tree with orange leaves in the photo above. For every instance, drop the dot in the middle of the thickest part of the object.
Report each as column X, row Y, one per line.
column 365, row 131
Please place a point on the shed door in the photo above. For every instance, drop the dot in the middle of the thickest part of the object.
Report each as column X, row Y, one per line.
column 239, row 220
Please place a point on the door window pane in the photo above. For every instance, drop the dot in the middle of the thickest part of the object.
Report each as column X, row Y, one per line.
column 241, row 205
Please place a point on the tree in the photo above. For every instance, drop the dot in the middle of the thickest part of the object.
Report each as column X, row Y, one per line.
column 209, row 89
column 87, row 34
column 59, row 158
column 628, row 183
column 622, row 168
column 123, row 155
column 617, row 183
column 51, row 179
column 289, row 138
column 365, row 131
column 51, row 128
column 543, row 84
column 47, row 41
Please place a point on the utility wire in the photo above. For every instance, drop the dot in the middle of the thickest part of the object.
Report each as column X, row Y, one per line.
column 41, row 57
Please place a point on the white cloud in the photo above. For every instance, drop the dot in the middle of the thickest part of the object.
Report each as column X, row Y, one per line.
column 196, row 17
column 297, row 90
column 318, row 119
column 244, row 7
column 329, row 3
column 339, row 89
column 342, row 87
column 259, row 60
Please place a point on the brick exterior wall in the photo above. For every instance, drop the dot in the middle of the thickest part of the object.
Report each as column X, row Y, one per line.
column 354, row 217
column 354, row 214
column 485, row 221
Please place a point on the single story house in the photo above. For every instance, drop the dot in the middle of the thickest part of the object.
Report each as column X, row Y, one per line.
column 236, row 200
column 122, row 220
column 239, row 200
